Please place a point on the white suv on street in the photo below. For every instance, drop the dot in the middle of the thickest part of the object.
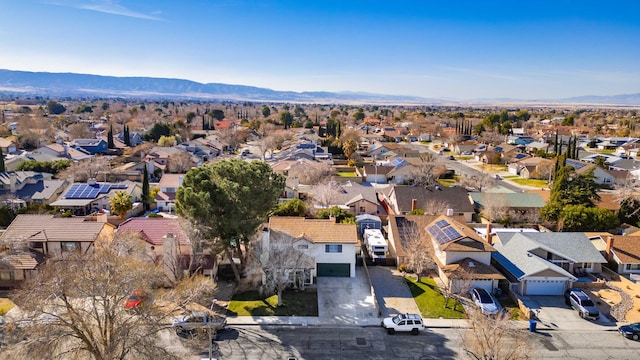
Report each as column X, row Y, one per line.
column 403, row 322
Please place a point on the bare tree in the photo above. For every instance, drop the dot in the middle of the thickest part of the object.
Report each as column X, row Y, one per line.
column 312, row 175
column 494, row 207
column 436, row 207
column 81, row 131
column 494, row 337
column 74, row 307
column 180, row 162
column 326, row 194
column 282, row 262
column 419, row 249
column 83, row 170
column 425, row 173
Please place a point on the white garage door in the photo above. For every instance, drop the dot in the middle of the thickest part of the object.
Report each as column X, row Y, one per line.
column 545, row 287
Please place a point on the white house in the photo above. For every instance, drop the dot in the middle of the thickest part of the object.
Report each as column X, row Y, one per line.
column 331, row 245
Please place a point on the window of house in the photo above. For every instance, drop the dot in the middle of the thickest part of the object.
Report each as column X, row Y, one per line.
column 70, row 246
column 303, row 247
column 587, row 266
column 333, row 248
column 633, row 267
column 5, row 275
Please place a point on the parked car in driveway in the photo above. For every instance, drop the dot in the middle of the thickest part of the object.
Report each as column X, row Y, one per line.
column 484, row 300
column 577, row 299
column 631, row 331
column 403, row 322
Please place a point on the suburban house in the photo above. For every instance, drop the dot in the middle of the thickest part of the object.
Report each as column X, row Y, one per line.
column 600, row 176
column 29, row 187
column 531, row 168
column 375, row 173
column 401, row 200
column 64, row 151
column 515, row 206
column 543, row 263
column 624, row 251
column 462, row 256
column 331, row 245
column 92, row 146
column 92, row 196
column 166, row 197
column 8, row 146
column 351, row 196
column 30, row 239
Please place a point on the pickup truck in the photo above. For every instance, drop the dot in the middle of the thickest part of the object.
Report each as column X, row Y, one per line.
column 198, row 321
column 403, row 322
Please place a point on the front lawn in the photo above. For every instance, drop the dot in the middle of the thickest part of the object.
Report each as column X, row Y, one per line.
column 252, row 303
column 530, row 182
column 431, row 302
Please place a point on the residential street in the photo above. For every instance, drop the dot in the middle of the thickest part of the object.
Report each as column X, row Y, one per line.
column 311, row 342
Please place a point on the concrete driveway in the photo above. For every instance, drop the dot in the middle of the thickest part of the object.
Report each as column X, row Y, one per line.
column 346, row 301
column 393, row 294
column 553, row 313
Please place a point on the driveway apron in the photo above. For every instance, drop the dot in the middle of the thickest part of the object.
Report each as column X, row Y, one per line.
column 392, row 293
column 346, row 301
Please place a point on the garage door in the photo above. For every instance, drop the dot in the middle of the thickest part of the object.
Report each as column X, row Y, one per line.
column 484, row 284
column 334, row 270
column 545, row 287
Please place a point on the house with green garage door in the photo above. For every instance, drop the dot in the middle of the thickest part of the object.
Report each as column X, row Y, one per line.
column 331, row 245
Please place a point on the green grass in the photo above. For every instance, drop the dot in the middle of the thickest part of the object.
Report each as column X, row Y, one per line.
column 464, row 157
column 431, row 302
column 530, row 182
column 5, row 305
column 447, row 182
column 251, row 303
column 511, row 307
column 346, row 174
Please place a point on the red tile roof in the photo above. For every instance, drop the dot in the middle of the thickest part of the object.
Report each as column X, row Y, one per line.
column 155, row 230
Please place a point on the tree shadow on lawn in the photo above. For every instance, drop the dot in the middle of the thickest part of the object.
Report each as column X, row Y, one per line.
column 294, row 302
column 432, row 302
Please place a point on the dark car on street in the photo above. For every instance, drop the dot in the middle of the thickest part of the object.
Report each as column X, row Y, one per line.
column 631, row 331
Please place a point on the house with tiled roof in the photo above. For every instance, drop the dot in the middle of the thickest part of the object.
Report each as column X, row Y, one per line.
column 8, row 146
column 332, row 246
column 156, row 231
column 30, row 239
column 462, row 256
column 64, row 151
column 401, row 200
column 624, row 251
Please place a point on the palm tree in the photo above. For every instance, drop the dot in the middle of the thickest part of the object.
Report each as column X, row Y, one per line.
column 121, row 203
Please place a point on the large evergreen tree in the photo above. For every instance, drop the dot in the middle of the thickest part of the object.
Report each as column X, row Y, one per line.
column 110, row 143
column 228, row 201
column 2, row 166
column 146, row 194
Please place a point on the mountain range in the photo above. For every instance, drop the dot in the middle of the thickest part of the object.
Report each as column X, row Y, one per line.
column 98, row 86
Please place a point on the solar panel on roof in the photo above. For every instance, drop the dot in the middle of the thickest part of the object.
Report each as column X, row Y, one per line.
column 442, row 223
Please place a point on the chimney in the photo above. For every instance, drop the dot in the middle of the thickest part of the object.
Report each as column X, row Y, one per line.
column 449, row 212
column 414, row 204
column 488, row 234
column 13, row 182
column 103, row 217
column 609, row 246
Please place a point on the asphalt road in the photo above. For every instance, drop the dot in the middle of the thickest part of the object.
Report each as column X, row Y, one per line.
column 289, row 342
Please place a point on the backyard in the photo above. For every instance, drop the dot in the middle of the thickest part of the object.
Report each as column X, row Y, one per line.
column 252, row 303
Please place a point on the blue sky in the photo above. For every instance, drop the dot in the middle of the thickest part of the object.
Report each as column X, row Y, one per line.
column 436, row 49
